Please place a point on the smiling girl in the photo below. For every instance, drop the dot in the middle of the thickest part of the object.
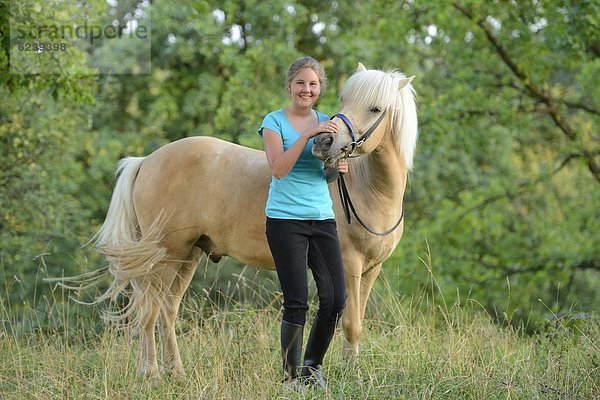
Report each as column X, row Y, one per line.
column 301, row 229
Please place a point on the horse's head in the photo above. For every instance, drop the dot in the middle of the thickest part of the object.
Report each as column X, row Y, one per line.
column 374, row 104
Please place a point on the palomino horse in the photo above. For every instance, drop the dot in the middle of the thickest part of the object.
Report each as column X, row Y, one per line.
column 202, row 195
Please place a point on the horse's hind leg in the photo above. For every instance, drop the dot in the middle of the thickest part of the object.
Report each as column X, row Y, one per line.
column 153, row 299
column 169, row 311
column 148, row 366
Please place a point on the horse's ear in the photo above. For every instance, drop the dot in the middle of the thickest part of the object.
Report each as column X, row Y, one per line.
column 360, row 68
column 405, row 81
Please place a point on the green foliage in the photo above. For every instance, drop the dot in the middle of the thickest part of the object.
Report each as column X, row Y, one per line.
column 41, row 127
column 504, row 194
column 500, row 191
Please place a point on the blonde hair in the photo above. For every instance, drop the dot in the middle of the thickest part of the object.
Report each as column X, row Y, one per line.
column 378, row 88
column 307, row 62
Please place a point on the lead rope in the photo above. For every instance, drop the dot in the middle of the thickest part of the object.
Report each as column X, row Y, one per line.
column 348, row 206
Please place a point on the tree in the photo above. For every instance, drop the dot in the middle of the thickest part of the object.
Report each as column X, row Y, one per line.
column 505, row 184
column 42, row 210
column 506, row 177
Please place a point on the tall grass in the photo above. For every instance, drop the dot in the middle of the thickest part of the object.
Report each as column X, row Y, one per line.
column 412, row 348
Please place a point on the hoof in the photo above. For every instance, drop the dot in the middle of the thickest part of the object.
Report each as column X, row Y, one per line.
column 351, row 354
column 177, row 373
column 148, row 372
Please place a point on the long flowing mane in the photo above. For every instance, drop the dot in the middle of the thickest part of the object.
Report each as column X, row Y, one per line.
column 372, row 88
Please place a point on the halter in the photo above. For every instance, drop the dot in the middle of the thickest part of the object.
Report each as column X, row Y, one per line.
column 348, row 151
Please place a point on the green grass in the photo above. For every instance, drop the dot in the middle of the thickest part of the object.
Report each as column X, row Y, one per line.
column 416, row 348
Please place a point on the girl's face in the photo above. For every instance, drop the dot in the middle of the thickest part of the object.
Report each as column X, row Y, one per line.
column 305, row 88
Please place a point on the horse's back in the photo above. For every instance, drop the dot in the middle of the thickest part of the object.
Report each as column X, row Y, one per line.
column 205, row 150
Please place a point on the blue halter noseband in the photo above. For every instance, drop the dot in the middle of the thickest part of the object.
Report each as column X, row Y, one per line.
column 348, row 150
column 348, row 124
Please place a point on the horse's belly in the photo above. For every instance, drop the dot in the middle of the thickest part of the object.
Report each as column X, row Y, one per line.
column 262, row 260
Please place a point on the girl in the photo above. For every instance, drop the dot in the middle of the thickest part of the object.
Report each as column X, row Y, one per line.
column 301, row 229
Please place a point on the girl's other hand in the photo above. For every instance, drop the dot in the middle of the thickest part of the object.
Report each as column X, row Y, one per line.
column 342, row 166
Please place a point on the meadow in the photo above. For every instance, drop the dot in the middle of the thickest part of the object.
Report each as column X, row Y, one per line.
column 505, row 188
column 412, row 348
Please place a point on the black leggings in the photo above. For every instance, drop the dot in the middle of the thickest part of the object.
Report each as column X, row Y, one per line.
column 296, row 244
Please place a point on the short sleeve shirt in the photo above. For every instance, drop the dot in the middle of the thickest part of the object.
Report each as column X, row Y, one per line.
column 303, row 193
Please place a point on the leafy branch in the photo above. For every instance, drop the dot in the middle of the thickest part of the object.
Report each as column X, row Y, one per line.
column 536, row 91
column 518, row 190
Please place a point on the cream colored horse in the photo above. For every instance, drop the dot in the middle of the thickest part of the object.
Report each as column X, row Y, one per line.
column 202, row 195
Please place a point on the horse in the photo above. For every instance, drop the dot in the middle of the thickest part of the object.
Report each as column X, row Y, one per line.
column 204, row 196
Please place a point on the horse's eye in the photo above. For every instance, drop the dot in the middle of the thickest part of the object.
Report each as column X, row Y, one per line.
column 375, row 110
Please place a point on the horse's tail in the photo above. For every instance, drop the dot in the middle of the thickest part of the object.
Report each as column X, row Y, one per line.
column 131, row 254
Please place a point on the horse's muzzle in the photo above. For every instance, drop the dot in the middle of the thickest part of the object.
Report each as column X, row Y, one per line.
column 322, row 146
column 323, row 142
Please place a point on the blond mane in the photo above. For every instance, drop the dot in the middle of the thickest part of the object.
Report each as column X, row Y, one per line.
column 373, row 88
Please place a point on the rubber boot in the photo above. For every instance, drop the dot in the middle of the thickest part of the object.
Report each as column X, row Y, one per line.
column 291, row 349
column 319, row 339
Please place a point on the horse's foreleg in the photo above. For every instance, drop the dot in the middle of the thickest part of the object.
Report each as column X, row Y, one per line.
column 358, row 287
column 168, row 315
column 368, row 279
column 351, row 322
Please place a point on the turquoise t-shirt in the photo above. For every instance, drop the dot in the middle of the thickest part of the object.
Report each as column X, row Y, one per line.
column 302, row 193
